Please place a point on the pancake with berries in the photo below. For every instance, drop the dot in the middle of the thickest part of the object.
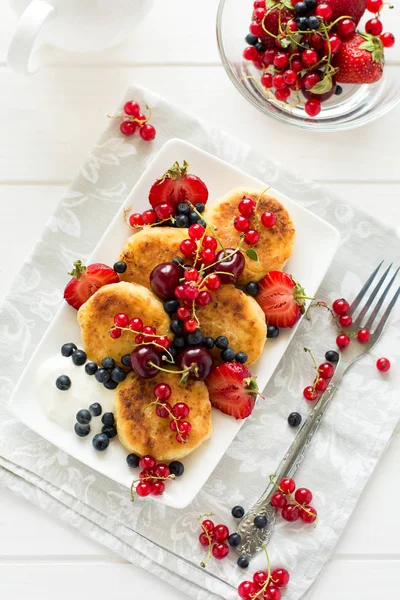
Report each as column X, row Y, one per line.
column 96, row 318
column 236, row 316
column 276, row 236
column 144, row 432
column 148, row 248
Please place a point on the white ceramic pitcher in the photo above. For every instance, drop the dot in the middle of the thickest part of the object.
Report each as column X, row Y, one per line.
column 72, row 25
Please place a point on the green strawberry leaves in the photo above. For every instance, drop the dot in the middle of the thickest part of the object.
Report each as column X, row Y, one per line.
column 281, row 3
column 374, row 45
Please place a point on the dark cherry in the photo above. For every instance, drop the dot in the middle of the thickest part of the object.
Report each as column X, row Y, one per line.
column 199, row 359
column 163, row 280
column 233, row 263
column 140, row 359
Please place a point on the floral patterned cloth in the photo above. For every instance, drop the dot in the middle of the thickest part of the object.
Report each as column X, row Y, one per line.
column 345, row 451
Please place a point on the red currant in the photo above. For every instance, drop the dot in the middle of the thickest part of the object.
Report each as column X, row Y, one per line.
column 292, row 25
column 121, row 320
column 346, row 27
column 183, row 313
column 345, row 320
column 204, row 298
column 172, row 425
column 388, row 39
column 139, row 339
column 374, row 27
column 213, row 282
column 306, row 516
column 281, row 60
column 266, row 81
column 342, row 341
column 162, row 391
column 251, row 237
column 260, row 577
column 256, row 29
column 207, row 256
column 326, row 370
column 260, row 13
column 185, row 428
column 162, row 470
column 191, row 275
column 132, row 109
column 181, row 410
column 241, row 223
column 290, row 512
column 374, row 5
column 250, row 53
column 287, row 485
column 259, row 64
column 148, row 331
column 208, row 525
column 278, row 500
column 136, row 220
column 149, row 217
column 383, row 364
column 272, row 593
column 190, row 325
column 247, row 206
column 144, row 488
column 268, row 219
column 309, row 58
column 363, row 336
column 340, row 306
column 333, row 44
column 280, row 577
column 310, row 393
column 269, row 56
column 303, row 496
column 247, row 590
column 147, row 132
column 316, row 41
column 147, row 462
column 163, row 410
column 278, row 81
column 196, row 231
column 158, row 488
column 128, row 127
column 203, row 539
column 312, row 107
column 221, row 533
column 297, row 65
column 282, row 94
column 209, row 243
column 324, row 11
column 180, row 291
column 136, row 324
column 164, row 211
column 191, row 292
column 188, row 247
column 290, row 76
column 115, row 333
column 310, row 80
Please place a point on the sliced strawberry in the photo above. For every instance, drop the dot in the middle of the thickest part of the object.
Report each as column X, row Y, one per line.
column 232, row 389
column 176, row 186
column 281, row 298
column 86, row 281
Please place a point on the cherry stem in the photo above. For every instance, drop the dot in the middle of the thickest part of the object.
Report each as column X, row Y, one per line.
column 148, row 478
column 293, row 499
column 150, row 362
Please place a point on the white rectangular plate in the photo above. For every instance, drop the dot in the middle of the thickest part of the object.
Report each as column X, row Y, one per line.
column 315, row 246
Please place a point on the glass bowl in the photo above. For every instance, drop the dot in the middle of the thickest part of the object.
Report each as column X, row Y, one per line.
column 356, row 106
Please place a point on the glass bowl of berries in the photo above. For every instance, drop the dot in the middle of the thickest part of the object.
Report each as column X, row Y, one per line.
column 316, row 64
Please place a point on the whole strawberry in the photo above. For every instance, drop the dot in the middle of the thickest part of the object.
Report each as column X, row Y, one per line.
column 350, row 8
column 360, row 59
column 271, row 22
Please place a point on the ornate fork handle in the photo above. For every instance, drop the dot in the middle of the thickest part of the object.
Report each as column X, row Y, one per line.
column 252, row 538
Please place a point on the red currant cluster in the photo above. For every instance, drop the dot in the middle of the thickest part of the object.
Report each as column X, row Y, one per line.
column 215, row 537
column 293, row 507
column 247, row 207
column 145, row 334
column 134, row 118
column 151, row 478
column 325, row 372
column 177, row 413
column 341, row 308
column 374, row 26
column 265, row 585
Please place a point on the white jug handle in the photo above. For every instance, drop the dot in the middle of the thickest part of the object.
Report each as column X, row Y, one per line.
column 20, row 51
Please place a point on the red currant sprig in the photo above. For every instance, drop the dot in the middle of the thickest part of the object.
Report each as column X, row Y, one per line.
column 151, row 478
column 177, row 413
column 300, row 506
column 145, row 334
column 213, row 536
column 266, row 585
column 133, row 118
column 325, row 372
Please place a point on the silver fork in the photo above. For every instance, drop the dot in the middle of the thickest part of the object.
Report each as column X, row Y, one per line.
column 252, row 539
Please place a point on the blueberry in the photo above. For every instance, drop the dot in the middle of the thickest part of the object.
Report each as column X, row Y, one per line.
column 313, row 22
column 202, row 223
column 241, row 357
column 172, row 351
column 120, row 266
column 118, row 374
column 68, row 349
column 294, row 419
column 260, row 47
column 208, row 343
column 272, row 331
column 237, row 512
column 234, row 540
column 110, row 384
column 63, row 383
column 338, row 90
column 301, row 9
column 228, row 355
column 195, row 338
column 108, row 418
column 108, row 363
column 183, row 208
column 332, row 356
column 221, row 342
column 252, row 288
column 200, row 207
column 194, row 218
column 243, row 562
column 126, row 360
column 260, row 521
column 302, row 23
column 182, row 221
column 133, row 460
column 83, row 416
column 176, row 468
column 91, row 368
column 82, row 430
column 100, row 442
column 178, row 261
column 176, row 326
column 171, row 306
column 109, row 430
column 95, row 409
column 311, row 4
column 179, row 342
column 251, row 40
column 102, row 375
column 79, row 357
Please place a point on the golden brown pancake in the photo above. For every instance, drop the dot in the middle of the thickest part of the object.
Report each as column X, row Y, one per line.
column 275, row 245
column 237, row 316
column 96, row 317
column 148, row 248
column 144, row 432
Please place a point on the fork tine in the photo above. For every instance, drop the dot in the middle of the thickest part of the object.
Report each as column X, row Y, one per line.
column 379, row 304
column 372, row 296
column 365, row 287
column 385, row 317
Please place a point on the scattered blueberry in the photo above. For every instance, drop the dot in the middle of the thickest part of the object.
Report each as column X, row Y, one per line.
column 294, row 419
column 95, row 409
column 195, row 338
column 183, row 208
column 171, row 306
column 126, row 360
column 108, row 418
column 68, row 349
column 91, row 368
column 120, row 266
column 133, row 460
column 313, row 22
column 176, row 468
column 234, row 540
column 83, row 416
column 200, row 207
column 63, row 383
column 172, row 351
column 179, row 342
column 208, row 343
column 79, row 357
column 194, row 218
column 241, row 357
column 102, row 375
column 272, row 331
column 82, row 430
column 237, row 512
column 181, row 221
column 109, row 430
column 100, row 442
column 228, row 355
column 260, row 521
column 252, row 288
column 110, row 384
column 251, row 40
column 332, row 356
column 243, row 562
column 118, row 374
column 338, row 90
column 178, row 261
column 221, row 342
column 108, row 363
column 176, row 326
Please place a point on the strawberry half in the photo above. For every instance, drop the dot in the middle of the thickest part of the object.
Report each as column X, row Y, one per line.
column 86, row 281
column 281, row 298
column 176, row 186
column 232, row 389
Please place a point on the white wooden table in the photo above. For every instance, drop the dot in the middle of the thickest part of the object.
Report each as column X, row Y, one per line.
column 48, row 124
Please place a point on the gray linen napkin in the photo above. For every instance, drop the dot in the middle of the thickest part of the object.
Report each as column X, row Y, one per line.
column 345, row 451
